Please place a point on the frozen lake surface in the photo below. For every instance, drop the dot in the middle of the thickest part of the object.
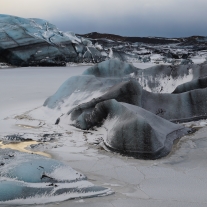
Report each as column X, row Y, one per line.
column 176, row 180
column 22, row 85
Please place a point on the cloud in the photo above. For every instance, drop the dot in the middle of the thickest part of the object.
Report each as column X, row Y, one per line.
column 125, row 17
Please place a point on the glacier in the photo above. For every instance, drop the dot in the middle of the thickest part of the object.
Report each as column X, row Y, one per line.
column 37, row 42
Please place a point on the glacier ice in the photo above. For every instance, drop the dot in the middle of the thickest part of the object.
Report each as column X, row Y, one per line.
column 27, row 42
column 110, row 86
column 132, row 130
column 21, row 41
column 174, row 107
column 192, row 85
column 111, row 68
column 24, row 177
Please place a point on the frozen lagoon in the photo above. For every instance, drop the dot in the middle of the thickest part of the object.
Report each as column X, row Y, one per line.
column 176, row 180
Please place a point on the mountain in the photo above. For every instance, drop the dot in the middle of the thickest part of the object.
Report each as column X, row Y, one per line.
column 147, row 40
column 193, row 40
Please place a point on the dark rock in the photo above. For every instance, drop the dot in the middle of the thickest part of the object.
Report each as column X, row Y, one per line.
column 57, row 121
column 16, row 138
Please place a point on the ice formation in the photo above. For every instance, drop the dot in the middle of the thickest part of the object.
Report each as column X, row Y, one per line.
column 174, row 107
column 27, row 42
column 28, row 178
column 112, row 68
column 192, row 85
column 36, row 42
column 133, row 130
column 111, row 88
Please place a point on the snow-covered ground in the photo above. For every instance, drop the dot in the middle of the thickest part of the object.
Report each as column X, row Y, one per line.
column 176, row 180
column 144, row 65
column 3, row 65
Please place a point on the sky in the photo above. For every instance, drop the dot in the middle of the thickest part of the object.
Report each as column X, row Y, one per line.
column 161, row 18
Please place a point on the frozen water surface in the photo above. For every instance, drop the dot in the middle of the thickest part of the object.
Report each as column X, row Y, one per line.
column 176, row 180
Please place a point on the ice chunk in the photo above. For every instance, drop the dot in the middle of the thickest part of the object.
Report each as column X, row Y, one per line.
column 132, row 130
column 109, row 68
column 25, row 177
column 174, row 107
column 192, row 85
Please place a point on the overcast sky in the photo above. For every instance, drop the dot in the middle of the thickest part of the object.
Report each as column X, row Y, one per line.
column 169, row 18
